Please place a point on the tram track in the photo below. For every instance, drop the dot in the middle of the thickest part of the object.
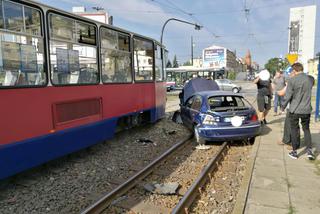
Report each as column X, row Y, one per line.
column 192, row 174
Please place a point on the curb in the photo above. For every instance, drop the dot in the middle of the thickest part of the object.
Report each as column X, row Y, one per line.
column 242, row 195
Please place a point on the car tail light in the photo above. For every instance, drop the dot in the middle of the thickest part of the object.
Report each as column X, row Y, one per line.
column 210, row 120
column 254, row 117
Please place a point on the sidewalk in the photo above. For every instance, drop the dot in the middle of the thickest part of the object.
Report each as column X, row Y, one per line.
column 280, row 184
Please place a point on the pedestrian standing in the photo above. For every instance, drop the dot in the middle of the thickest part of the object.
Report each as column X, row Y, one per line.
column 298, row 95
column 286, row 138
column 278, row 84
column 263, row 97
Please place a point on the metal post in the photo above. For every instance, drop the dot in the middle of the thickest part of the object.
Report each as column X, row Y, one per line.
column 192, row 50
column 318, row 91
column 196, row 26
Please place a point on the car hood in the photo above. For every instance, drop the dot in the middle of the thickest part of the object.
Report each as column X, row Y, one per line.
column 198, row 85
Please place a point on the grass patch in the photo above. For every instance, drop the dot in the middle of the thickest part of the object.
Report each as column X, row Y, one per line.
column 291, row 210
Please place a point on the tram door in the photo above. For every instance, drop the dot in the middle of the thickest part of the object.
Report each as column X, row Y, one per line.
column 160, row 83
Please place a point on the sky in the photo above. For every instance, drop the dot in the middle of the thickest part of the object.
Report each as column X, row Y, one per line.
column 264, row 31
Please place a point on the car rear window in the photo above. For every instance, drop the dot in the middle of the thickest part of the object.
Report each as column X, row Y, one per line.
column 227, row 102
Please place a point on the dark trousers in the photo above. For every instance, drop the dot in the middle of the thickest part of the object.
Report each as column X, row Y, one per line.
column 294, row 125
column 287, row 130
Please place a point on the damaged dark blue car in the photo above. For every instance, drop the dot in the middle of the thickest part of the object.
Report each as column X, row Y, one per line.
column 216, row 115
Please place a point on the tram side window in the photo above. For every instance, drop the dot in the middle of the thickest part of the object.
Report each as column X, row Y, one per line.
column 73, row 51
column 158, row 63
column 115, row 57
column 32, row 20
column 22, row 53
column 143, row 60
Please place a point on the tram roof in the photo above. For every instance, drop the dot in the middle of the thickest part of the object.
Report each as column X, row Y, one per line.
column 70, row 14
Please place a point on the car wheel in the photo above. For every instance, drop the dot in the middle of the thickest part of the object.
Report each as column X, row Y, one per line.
column 235, row 90
column 251, row 140
column 199, row 140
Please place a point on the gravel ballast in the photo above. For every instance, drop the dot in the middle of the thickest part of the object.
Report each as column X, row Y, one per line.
column 71, row 183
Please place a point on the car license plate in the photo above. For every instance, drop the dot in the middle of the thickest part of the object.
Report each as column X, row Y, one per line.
column 228, row 119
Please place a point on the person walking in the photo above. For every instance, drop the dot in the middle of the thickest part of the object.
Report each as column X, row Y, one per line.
column 263, row 97
column 298, row 95
column 286, row 138
column 278, row 84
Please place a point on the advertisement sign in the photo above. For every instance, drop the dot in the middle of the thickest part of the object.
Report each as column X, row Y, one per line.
column 74, row 64
column 28, row 58
column 214, row 58
column 11, row 56
column 67, row 60
column 294, row 37
column 62, row 60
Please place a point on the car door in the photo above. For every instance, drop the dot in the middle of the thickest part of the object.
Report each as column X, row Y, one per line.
column 220, row 84
column 185, row 112
column 195, row 109
column 223, row 84
column 227, row 85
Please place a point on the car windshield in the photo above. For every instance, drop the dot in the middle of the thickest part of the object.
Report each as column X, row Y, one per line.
column 226, row 102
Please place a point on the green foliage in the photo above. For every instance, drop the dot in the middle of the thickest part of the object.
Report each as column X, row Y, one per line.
column 231, row 75
column 175, row 63
column 2, row 77
column 275, row 64
column 187, row 63
column 169, row 65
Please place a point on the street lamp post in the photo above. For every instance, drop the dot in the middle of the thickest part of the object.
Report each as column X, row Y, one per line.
column 318, row 90
column 196, row 26
column 192, row 50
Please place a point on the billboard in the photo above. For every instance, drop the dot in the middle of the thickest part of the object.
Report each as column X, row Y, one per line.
column 301, row 35
column 214, row 58
column 294, row 37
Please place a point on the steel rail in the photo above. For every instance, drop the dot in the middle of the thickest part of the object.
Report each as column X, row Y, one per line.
column 107, row 199
column 195, row 189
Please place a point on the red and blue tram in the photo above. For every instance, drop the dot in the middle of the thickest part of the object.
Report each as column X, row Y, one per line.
column 67, row 82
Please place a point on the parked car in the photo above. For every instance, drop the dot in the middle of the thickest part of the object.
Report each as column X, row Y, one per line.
column 228, row 85
column 170, row 85
column 216, row 115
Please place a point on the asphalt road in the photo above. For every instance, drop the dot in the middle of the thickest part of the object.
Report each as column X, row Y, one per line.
column 248, row 89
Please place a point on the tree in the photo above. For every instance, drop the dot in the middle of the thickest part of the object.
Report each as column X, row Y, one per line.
column 187, row 63
column 275, row 64
column 169, row 65
column 175, row 62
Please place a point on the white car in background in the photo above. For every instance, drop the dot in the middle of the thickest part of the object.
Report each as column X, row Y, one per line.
column 228, row 85
column 170, row 85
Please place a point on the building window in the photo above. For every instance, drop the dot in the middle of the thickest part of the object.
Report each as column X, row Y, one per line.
column 115, row 57
column 21, row 46
column 143, row 60
column 73, row 51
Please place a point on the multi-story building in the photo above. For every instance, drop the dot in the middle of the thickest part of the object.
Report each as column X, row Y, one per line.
column 99, row 15
column 301, row 40
column 219, row 58
column 313, row 67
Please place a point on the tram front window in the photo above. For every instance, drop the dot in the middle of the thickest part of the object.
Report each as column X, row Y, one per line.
column 22, row 53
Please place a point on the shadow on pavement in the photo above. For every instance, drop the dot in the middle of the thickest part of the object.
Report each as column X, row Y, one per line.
column 265, row 130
